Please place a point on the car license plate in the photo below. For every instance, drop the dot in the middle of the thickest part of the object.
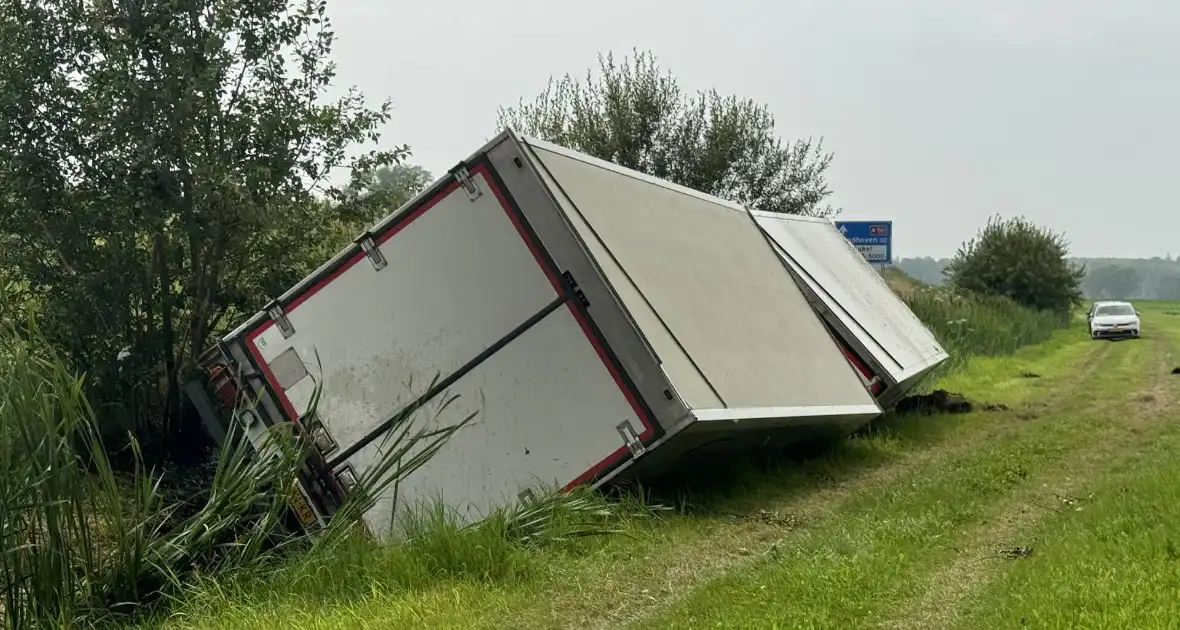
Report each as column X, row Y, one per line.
column 302, row 509
column 1116, row 328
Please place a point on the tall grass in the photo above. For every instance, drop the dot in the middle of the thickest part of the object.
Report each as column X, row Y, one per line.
column 509, row 546
column 978, row 325
column 81, row 547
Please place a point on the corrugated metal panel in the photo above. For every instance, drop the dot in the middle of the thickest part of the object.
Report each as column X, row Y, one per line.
column 711, row 280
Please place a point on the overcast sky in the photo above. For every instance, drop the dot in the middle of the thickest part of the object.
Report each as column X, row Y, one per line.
column 940, row 113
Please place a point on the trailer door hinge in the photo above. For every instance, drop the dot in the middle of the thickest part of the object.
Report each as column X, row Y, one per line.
column 247, row 418
column 346, row 477
column 464, row 178
column 631, row 438
column 275, row 311
column 321, row 438
column 371, row 250
column 578, row 293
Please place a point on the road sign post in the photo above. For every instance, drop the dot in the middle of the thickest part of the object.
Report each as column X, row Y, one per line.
column 873, row 239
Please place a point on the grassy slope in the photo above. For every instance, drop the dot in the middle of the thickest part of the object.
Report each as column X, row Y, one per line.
column 1077, row 483
column 871, row 533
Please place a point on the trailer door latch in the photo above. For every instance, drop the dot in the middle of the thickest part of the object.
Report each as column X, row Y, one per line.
column 321, row 438
column 577, row 291
column 631, row 439
column 346, row 477
column 247, row 417
column 372, row 251
column 464, row 178
column 275, row 311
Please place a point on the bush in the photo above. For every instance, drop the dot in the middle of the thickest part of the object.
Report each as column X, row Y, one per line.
column 1017, row 259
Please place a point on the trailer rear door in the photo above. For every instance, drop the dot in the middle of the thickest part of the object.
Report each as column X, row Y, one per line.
column 466, row 296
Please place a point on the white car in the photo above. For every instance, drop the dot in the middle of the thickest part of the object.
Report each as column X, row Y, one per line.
column 1110, row 320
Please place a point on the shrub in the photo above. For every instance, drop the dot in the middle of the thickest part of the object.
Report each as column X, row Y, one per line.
column 1020, row 260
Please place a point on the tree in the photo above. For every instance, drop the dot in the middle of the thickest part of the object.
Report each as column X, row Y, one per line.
column 392, row 186
column 165, row 169
column 637, row 116
column 1019, row 260
column 1167, row 288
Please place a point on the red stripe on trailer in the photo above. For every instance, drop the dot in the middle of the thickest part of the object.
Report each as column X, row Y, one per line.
column 857, row 363
column 649, row 428
column 875, row 384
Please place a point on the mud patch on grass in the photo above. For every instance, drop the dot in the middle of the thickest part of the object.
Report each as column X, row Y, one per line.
column 1015, row 553
column 941, row 401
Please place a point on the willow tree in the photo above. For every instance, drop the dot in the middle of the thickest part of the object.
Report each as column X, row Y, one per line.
column 635, row 114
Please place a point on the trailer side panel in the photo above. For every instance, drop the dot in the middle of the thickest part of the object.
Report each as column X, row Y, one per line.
column 626, row 320
column 718, row 290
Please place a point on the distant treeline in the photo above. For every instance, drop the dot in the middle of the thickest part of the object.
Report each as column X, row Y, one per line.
column 1111, row 278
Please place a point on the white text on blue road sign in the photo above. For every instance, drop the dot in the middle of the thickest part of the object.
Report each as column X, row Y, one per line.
column 873, row 239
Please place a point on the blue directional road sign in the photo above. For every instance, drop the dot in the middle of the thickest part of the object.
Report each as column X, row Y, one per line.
column 874, row 239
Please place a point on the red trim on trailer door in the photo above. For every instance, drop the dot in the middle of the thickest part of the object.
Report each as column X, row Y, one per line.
column 860, row 366
column 648, row 425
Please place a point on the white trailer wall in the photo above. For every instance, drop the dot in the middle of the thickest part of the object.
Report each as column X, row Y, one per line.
column 591, row 315
column 465, row 295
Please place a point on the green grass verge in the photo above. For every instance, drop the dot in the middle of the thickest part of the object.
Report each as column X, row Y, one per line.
column 1111, row 562
column 857, row 563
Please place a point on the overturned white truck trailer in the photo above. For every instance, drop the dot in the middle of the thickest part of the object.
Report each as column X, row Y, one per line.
column 597, row 319
column 890, row 347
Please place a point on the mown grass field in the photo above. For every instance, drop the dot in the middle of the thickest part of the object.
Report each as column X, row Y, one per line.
column 1058, row 512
